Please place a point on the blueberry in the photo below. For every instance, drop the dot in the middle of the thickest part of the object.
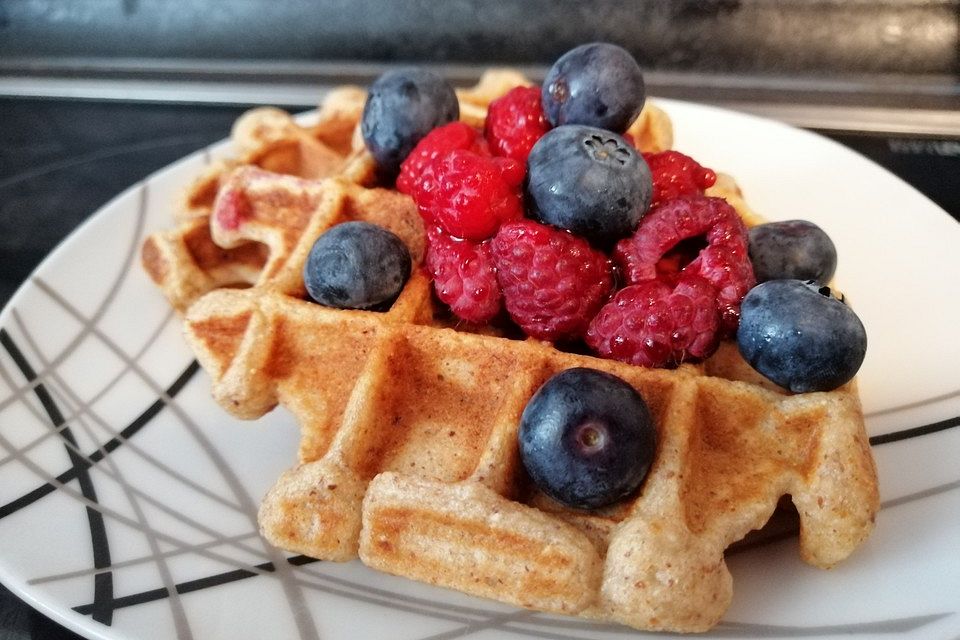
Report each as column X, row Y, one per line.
column 795, row 249
column 357, row 265
column 596, row 84
column 402, row 107
column 587, row 438
column 589, row 181
column 799, row 336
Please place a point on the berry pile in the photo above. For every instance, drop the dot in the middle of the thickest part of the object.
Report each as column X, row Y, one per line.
column 533, row 215
column 551, row 216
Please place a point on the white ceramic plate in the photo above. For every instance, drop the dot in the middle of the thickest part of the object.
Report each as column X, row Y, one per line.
column 128, row 498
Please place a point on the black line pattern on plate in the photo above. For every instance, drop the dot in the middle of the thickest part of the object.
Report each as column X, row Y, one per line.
column 295, row 600
column 783, row 532
column 193, row 585
column 86, row 419
column 140, row 561
column 926, row 402
column 509, row 621
column 109, row 387
column 906, row 434
column 112, row 444
column 102, row 582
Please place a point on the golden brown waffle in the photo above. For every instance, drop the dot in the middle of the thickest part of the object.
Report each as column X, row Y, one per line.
column 409, row 457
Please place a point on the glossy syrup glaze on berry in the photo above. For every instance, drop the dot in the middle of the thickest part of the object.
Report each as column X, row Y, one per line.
column 553, row 282
column 683, row 258
column 799, row 336
column 588, row 181
column 469, row 195
column 439, row 142
column 464, row 276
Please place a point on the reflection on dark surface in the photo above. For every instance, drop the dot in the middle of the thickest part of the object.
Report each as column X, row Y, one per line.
column 61, row 161
column 932, row 165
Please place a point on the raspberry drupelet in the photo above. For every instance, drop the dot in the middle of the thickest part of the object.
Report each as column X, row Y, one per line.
column 553, row 282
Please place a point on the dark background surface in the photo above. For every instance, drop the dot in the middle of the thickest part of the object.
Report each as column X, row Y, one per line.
column 61, row 159
column 750, row 36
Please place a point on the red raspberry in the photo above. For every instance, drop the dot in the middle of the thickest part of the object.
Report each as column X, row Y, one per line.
column 515, row 122
column 231, row 209
column 456, row 135
column 553, row 282
column 654, row 325
column 468, row 195
column 660, row 249
column 463, row 275
column 675, row 174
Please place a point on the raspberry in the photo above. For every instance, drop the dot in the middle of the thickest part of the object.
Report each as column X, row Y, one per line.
column 469, row 195
column 231, row 209
column 654, row 325
column 661, row 249
column 515, row 122
column 675, row 174
column 553, row 282
column 440, row 141
column 463, row 276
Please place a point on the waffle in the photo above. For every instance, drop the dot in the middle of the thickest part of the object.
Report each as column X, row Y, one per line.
column 409, row 459
column 186, row 261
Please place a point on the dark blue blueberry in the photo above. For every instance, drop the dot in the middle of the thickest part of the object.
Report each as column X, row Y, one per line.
column 795, row 249
column 357, row 265
column 587, row 438
column 402, row 107
column 596, row 84
column 799, row 336
column 589, row 181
